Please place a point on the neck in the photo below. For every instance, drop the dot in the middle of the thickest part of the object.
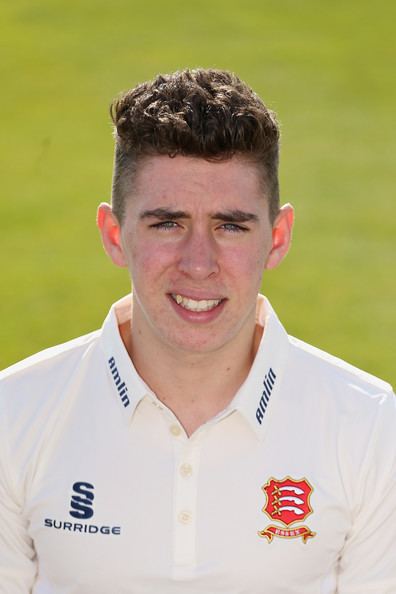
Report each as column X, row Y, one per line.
column 195, row 386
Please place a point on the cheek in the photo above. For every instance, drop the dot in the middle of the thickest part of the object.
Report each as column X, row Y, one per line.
column 247, row 263
column 149, row 259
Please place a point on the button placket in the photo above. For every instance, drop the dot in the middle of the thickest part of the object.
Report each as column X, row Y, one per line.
column 186, row 470
column 185, row 516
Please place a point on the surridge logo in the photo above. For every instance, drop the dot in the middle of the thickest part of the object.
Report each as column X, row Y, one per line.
column 119, row 383
column 82, row 501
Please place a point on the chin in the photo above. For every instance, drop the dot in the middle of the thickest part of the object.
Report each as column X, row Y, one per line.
column 196, row 345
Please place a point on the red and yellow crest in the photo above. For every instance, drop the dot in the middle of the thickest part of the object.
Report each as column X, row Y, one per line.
column 287, row 502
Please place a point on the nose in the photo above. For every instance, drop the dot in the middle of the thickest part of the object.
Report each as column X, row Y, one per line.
column 199, row 257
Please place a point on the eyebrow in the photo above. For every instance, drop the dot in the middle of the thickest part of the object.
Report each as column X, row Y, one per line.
column 164, row 214
column 230, row 216
column 234, row 216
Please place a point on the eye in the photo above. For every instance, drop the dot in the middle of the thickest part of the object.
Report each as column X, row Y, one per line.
column 165, row 225
column 234, row 228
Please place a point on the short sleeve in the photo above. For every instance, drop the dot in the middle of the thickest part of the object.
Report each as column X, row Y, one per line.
column 368, row 561
column 17, row 557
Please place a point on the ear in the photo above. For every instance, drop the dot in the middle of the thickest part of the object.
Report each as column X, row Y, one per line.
column 110, row 231
column 281, row 236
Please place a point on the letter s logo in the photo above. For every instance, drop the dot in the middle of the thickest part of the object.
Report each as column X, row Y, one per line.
column 81, row 503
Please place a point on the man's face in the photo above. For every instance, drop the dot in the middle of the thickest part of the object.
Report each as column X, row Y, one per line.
column 196, row 238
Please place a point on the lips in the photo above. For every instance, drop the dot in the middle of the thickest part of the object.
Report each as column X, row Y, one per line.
column 196, row 305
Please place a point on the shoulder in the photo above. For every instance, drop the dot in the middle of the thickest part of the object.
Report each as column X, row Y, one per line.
column 36, row 378
column 333, row 369
column 328, row 383
column 50, row 357
column 347, row 414
column 36, row 396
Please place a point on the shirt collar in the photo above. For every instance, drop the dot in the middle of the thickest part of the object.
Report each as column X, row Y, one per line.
column 260, row 389
column 253, row 398
column 128, row 387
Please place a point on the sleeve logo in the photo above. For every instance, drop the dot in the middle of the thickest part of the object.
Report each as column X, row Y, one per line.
column 287, row 503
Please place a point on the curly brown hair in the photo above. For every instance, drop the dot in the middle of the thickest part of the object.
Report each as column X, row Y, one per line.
column 204, row 113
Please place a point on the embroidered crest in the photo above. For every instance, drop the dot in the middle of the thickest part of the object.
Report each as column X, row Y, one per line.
column 288, row 502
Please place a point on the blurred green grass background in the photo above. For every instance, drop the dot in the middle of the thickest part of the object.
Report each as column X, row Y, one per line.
column 326, row 68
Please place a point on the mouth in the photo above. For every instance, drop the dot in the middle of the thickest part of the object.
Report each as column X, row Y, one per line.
column 196, row 305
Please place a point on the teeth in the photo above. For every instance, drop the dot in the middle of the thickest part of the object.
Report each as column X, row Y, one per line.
column 192, row 305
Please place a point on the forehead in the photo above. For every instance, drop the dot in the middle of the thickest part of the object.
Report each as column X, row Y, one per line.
column 182, row 180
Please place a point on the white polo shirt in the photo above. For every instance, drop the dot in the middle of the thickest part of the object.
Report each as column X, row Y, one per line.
column 290, row 490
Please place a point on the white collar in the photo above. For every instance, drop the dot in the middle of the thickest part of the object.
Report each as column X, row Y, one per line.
column 252, row 399
column 263, row 382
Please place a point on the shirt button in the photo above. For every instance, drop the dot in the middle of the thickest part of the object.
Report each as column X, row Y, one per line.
column 175, row 430
column 186, row 470
column 185, row 517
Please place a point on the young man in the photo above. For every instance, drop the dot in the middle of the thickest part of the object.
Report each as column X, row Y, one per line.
column 191, row 445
